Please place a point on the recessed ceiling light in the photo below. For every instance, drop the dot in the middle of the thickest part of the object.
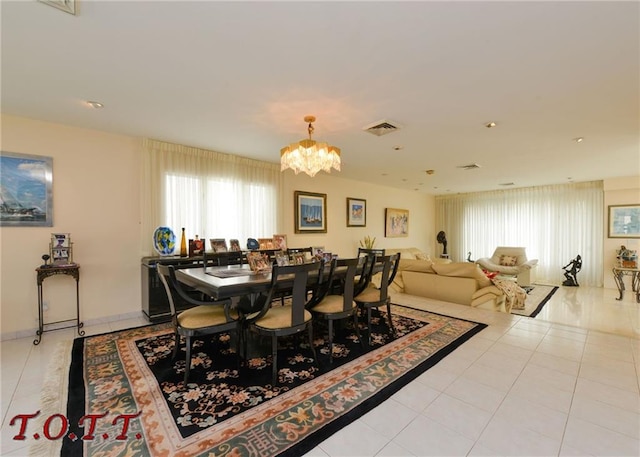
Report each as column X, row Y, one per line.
column 96, row 105
column 579, row 139
column 490, row 125
column 430, row 172
column 398, row 148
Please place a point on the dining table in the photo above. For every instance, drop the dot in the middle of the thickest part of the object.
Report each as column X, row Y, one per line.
column 237, row 282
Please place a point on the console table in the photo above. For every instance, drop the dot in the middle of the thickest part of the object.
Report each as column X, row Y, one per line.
column 43, row 273
column 619, row 273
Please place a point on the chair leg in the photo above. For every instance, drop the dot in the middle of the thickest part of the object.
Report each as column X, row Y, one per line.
column 274, row 361
column 176, row 341
column 331, row 335
column 357, row 327
column 313, row 349
column 391, row 327
column 187, row 366
column 369, row 323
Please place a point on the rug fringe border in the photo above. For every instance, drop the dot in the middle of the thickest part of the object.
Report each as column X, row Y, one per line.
column 53, row 398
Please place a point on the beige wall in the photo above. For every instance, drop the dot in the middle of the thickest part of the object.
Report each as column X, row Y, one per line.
column 343, row 240
column 620, row 191
column 96, row 198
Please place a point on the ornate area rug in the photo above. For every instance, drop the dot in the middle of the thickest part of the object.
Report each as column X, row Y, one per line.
column 537, row 296
column 133, row 389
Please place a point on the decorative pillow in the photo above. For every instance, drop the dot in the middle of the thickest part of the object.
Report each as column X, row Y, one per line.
column 422, row 256
column 490, row 274
column 508, row 260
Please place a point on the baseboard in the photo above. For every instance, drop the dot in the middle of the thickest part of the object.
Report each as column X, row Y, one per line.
column 7, row 336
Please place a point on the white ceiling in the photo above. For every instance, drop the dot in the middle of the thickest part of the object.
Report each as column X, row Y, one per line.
column 238, row 77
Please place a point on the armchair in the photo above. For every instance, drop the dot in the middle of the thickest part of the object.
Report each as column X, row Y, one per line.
column 511, row 261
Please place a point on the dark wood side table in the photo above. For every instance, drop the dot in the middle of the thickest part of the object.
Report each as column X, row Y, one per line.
column 619, row 273
column 44, row 273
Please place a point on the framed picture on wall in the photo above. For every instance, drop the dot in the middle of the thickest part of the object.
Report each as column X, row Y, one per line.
column 396, row 222
column 26, row 190
column 624, row 221
column 356, row 212
column 310, row 212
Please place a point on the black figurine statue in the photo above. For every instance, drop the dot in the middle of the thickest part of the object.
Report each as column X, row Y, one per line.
column 442, row 239
column 571, row 271
column 46, row 258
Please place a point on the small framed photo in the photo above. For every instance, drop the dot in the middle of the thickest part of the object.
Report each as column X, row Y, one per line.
column 218, row 244
column 282, row 258
column 298, row 258
column 234, row 245
column 310, row 210
column 396, row 222
column 60, row 240
column 258, row 262
column 196, row 247
column 266, row 243
column 356, row 212
column 624, row 221
column 280, row 242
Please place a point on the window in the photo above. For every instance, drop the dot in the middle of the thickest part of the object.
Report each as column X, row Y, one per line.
column 210, row 194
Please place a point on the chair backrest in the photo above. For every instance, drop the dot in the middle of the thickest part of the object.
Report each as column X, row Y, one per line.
column 388, row 265
column 222, row 258
column 299, row 289
column 366, row 264
column 163, row 273
column 371, row 251
column 348, row 281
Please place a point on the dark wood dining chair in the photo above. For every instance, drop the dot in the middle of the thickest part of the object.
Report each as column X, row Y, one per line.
column 289, row 319
column 373, row 297
column 331, row 306
column 205, row 318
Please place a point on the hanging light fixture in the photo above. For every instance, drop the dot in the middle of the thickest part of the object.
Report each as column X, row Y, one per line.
column 310, row 156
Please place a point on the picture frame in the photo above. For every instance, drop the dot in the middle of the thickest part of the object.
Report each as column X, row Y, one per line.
column 280, row 242
column 310, row 212
column 356, row 212
column 234, row 245
column 218, row 244
column 624, row 221
column 27, row 180
column 396, row 222
column 258, row 262
column 266, row 243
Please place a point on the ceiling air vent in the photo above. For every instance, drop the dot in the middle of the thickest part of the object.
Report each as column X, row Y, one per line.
column 380, row 128
column 471, row 166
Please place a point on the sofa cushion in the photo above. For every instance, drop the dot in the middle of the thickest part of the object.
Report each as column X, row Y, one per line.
column 416, row 265
column 462, row 270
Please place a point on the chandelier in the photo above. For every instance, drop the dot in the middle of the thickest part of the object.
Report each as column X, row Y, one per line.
column 310, row 156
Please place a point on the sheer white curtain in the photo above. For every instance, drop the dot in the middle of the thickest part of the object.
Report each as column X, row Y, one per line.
column 554, row 223
column 210, row 194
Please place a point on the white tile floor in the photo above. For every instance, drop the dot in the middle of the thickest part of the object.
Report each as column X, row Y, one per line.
column 564, row 383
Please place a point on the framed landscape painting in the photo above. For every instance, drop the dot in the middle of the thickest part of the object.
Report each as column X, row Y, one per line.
column 310, row 212
column 396, row 222
column 356, row 212
column 25, row 187
column 624, row 221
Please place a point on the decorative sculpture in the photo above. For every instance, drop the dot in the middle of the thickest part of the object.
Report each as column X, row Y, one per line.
column 46, row 258
column 571, row 270
column 442, row 239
